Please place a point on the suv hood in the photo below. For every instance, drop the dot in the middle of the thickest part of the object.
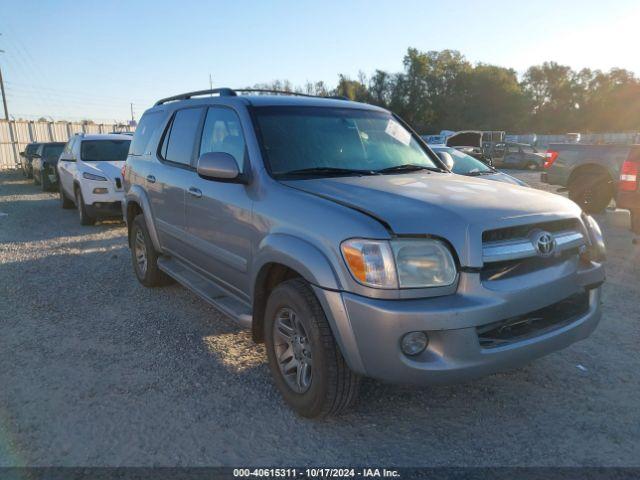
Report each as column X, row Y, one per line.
column 467, row 138
column 111, row 169
column 453, row 207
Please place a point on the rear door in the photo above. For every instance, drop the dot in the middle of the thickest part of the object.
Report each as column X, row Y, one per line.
column 219, row 213
column 167, row 182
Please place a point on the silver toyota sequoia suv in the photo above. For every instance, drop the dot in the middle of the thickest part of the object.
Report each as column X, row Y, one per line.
column 332, row 231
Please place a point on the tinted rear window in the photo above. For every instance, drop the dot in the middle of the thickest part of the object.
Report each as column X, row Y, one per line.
column 180, row 140
column 145, row 129
column 104, row 150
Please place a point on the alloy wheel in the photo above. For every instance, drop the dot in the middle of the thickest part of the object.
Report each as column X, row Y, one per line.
column 140, row 252
column 293, row 350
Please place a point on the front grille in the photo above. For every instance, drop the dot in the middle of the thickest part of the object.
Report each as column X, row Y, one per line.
column 535, row 323
column 522, row 231
column 512, row 268
column 521, row 242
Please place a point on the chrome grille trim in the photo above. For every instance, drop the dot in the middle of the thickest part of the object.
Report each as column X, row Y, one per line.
column 518, row 248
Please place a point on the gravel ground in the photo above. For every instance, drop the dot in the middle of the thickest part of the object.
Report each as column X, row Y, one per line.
column 96, row 370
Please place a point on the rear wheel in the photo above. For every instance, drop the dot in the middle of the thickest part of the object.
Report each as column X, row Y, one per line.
column 591, row 191
column 144, row 256
column 305, row 360
column 46, row 184
column 64, row 200
column 531, row 166
column 635, row 221
column 85, row 218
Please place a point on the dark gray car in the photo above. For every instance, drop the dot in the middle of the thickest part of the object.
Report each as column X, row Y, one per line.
column 26, row 157
column 516, row 155
column 333, row 232
column 44, row 164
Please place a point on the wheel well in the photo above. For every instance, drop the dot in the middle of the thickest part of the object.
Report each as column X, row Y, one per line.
column 133, row 209
column 590, row 169
column 269, row 277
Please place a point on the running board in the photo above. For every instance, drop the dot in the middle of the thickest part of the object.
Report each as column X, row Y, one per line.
column 207, row 290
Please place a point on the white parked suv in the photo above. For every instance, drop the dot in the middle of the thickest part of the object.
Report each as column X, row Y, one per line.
column 89, row 170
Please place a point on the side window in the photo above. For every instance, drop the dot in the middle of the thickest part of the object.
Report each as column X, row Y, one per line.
column 222, row 133
column 145, row 129
column 179, row 140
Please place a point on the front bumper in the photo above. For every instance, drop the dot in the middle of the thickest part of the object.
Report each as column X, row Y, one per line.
column 104, row 209
column 369, row 330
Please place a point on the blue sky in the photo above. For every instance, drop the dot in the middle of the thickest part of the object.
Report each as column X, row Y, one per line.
column 90, row 59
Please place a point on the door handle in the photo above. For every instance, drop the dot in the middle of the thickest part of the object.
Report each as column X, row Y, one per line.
column 151, row 179
column 195, row 192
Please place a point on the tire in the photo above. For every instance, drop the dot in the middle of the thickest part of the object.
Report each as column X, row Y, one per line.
column 635, row 221
column 326, row 385
column 64, row 200
column 85, row 218
column 531, row 166
column 149, row 275
column 46, row 185
column 591, row 191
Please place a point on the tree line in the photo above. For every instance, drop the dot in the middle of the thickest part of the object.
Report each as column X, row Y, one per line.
column 439, row 90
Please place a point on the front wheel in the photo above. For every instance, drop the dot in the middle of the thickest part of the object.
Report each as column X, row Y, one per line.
column 85, row 218
column 305, row 360
column 64, row 200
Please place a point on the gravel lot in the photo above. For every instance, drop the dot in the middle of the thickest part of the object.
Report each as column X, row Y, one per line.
column 96, row 370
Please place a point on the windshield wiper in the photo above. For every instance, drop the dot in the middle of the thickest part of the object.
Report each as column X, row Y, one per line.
column 327, row 171
column 407, row 167
column 477, row 174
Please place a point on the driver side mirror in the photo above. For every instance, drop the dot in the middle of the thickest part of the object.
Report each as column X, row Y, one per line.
column 36, row 155
column 219, row 166
column 446, row 158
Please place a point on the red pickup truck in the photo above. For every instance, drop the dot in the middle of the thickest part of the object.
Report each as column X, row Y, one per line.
column 629, row 187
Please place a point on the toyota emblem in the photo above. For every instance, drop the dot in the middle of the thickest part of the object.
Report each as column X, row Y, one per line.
column 543, row 242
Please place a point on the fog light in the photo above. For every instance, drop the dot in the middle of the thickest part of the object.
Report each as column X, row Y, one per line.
column 414, row 343
column 100, row 190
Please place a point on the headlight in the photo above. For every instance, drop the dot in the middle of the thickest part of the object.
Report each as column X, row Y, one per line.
column 599, row 250
column 402, row 263
column 91, row 176
column 423, row 263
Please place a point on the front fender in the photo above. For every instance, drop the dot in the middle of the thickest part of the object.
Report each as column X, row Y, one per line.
column 315, row 268
column 138, row 195
column 299, row 255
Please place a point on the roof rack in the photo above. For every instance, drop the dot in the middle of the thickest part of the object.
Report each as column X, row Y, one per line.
column 229, row 92
column 223, row 92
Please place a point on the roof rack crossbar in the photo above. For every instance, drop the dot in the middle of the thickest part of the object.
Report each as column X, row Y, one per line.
column 229, row 92
column 223, row 92
column 287, row 92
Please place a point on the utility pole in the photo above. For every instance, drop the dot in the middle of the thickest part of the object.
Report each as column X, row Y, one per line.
column 12, row 136
column 210, row 84
column 4, row 94
column 132, row 119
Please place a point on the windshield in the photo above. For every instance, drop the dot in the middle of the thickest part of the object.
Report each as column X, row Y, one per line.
column 464, row 164
column 104, row 150
column 52, row 151
column 327, row 141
